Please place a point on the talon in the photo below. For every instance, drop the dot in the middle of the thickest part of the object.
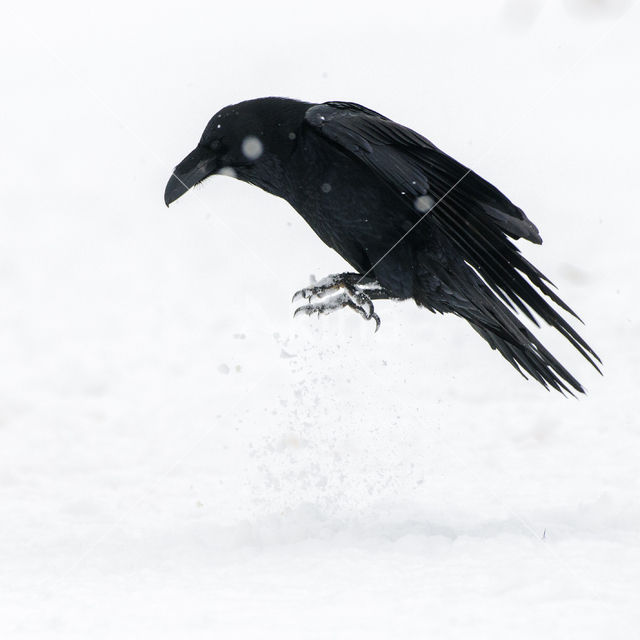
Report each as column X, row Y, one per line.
column 308, row 293
column 340, row 291
column 306, row 308
column 370, row 313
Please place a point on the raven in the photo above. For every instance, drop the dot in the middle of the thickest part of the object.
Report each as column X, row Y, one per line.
column 411, row 221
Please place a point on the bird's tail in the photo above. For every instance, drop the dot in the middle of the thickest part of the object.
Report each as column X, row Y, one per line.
column 528, row 355
column 470, row 268
column 497, row 323
column 505, row 333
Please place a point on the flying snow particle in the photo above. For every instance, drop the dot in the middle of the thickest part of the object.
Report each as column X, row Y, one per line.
column 292, row 136
column 227, row 171
column 251, row 148
column 326, row 187
column 423, row 203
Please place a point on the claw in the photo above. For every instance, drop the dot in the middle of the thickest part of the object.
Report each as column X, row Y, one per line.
column 341, row 290
column 360, row 303
column 308, row 309
column 298, row 294
column 321, row 289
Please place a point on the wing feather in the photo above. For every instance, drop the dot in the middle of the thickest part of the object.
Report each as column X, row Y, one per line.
column 473, row 213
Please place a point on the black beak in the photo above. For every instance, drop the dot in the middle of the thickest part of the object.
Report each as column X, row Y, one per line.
column 197, row 166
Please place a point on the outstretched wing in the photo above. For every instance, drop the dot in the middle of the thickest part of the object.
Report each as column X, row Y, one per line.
column 475, row 215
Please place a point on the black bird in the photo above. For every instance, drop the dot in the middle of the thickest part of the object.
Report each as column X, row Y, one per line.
column 411, row 221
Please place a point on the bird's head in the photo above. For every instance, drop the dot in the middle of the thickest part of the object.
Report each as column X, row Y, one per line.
column 248, row 141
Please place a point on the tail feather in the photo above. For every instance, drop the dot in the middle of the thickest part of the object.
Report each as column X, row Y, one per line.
column 530, row 356
column 489, row 310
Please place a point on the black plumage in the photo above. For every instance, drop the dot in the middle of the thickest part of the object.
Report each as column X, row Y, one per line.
column 411, row 221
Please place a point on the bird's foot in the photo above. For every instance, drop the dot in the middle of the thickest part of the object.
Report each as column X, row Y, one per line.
column 342, row 290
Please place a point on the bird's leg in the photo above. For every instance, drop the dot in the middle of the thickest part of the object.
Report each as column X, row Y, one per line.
column 342, row 290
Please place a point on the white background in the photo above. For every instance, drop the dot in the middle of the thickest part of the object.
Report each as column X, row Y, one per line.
column 181, row 458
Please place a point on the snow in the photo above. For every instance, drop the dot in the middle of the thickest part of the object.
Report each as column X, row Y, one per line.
column 227, row 171
column 423, row 203
column 179, row 457
column 252, row 147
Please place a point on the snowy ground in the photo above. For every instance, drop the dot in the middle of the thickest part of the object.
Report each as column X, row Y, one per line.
column 179, row 458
